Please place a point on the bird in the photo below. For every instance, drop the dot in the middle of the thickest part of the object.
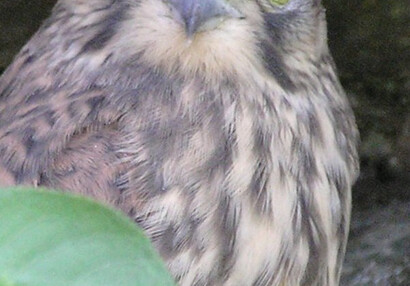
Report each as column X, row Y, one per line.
column 220, row 127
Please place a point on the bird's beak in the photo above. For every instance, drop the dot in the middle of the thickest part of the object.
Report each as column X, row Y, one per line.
column 200, row 15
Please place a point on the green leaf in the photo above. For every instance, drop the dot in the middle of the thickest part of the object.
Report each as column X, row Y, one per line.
column 50, row 238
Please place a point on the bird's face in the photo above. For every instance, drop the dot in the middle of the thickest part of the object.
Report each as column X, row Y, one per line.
column 217, row 37
column 200, row 16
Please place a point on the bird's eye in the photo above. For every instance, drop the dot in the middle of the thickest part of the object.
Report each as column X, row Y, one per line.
column 278, row 2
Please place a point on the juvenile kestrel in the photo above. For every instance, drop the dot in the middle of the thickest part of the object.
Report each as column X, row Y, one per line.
column 219, row 126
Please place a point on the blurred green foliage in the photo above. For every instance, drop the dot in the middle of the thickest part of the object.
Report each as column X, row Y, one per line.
column 370, row 41
column 19, row 19
column 52, row 238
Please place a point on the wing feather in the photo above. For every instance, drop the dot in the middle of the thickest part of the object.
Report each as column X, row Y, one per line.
column 62, row 136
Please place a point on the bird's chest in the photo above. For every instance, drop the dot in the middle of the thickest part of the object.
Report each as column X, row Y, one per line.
column 224, row 186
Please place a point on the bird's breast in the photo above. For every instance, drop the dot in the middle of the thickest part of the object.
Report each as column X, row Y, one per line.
column 237, row 191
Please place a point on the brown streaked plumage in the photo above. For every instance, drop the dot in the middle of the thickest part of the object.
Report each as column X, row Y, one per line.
column 219, row 126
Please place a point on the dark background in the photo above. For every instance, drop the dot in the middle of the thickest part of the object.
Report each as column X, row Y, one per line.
column 370, row 41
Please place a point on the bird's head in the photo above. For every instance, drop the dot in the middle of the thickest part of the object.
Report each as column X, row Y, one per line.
column 212, row 37
column 200, row 16
column 222, row 35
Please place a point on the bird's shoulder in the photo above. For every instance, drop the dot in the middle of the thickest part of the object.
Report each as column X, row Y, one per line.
column 46, row 111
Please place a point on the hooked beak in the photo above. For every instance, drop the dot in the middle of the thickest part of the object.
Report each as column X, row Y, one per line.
column 198, row 15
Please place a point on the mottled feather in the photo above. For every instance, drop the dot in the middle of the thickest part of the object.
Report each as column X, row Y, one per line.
column 235, row 149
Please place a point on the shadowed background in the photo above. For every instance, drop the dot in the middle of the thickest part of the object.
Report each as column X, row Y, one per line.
column 370, row 42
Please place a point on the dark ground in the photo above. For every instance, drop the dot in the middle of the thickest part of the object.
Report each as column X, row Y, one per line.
column 372, row 50
column 378, row 252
